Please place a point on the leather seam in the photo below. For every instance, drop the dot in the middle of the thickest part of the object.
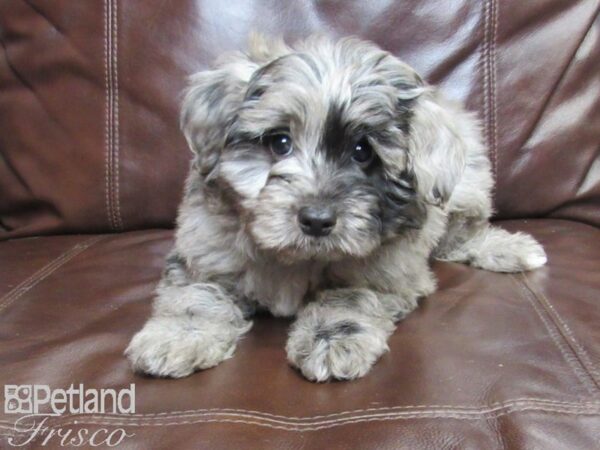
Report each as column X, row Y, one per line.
column 570, row 357
column 111, row 74
column 317, row 425
column 520, row 401
column 116, row 143
column 30, row 282
column 493, row 93
column 582, row 355
column 490, row 27
column 108, row 118
column 406, row 409
column 484, row 64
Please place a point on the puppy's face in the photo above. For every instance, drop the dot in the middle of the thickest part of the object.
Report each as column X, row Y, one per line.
column 311, row 146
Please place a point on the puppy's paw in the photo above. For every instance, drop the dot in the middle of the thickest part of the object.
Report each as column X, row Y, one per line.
column 175, row 347
column 344, row 349
column 501, row 251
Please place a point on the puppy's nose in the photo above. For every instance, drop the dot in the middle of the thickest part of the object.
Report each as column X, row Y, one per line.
column 316, row 220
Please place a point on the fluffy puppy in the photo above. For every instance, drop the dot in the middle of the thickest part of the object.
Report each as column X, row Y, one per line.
column 324, row 178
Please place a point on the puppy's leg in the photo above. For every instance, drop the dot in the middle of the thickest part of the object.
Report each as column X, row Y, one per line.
column 193, row 326
column 343, row 333
column 474, row 241
column 470, row 238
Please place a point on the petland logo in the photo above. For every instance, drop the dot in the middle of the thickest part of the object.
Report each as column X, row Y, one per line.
column 36, row 403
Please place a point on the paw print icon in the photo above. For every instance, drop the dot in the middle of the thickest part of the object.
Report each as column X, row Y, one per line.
column 17, row 399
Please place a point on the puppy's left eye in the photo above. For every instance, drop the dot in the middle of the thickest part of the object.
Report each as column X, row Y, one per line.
column 280, row 144
column 363, row 152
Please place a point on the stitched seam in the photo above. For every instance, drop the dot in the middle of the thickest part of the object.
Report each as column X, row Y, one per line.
column 568, row 356
column 516, row 402
column 484, row 64
column 45, row 271
column 115, row 172
column 108, row 117
column 493, row 93
column 333, row 423
column 296, row 429
column 424, row 413
column 584, row 359
column 407, row 409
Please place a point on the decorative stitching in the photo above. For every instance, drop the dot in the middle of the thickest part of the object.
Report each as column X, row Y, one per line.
column 116, row 144
column 401, row 411
column 108, row 119
column 484, row 68
column 45, row 271
column 518, row 401
column 316, row 425
column 493, row 93
column 112, row 187
column 484, row 64
column 578, row 349
column 569, row 357
column 488, row 63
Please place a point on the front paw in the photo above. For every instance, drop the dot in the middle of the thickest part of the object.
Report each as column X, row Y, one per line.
column 343, row 348
column 175, row 346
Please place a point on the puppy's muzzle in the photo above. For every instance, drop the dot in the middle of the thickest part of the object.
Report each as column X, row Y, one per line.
column 317, row 220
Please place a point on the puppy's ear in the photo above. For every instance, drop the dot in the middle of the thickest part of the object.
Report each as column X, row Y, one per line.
column 440, row 132
column 263, row 49
column 209, row 108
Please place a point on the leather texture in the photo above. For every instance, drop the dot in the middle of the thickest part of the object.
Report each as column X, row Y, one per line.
column 90, row 93
column 92, row 165
column 489, row 361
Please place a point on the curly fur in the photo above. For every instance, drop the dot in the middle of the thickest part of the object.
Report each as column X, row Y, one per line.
column 239, row 245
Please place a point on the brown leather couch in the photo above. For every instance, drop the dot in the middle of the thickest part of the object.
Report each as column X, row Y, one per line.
column 91, row 171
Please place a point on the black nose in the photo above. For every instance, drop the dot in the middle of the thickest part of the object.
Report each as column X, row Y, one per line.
column 316, row 221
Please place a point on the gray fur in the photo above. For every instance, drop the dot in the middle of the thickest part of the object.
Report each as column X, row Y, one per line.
column 238, row 243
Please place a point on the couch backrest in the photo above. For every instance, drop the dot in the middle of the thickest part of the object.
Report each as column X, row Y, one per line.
column 90, row 90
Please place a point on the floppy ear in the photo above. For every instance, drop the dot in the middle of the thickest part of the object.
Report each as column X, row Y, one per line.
column 213, row 98
column 209, row 107
column 441, row 133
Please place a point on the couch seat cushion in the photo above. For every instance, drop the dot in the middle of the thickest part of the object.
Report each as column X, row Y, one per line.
column 488, row 361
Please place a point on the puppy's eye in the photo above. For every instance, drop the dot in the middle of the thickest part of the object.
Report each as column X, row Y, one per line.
column 363, row 152
column 280, row 144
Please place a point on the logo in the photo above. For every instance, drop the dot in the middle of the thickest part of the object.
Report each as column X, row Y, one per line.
column 17, row 399
column 34, row 404
column 37, row 398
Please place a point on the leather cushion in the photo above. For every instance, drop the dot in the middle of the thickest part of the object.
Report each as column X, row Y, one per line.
column 488, row 361
column 89, row 97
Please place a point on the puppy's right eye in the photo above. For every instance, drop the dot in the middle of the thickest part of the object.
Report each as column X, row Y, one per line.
column 362, row 153
column 280, row 144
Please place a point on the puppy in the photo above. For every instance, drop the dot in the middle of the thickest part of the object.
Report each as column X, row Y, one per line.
column 324, row 177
